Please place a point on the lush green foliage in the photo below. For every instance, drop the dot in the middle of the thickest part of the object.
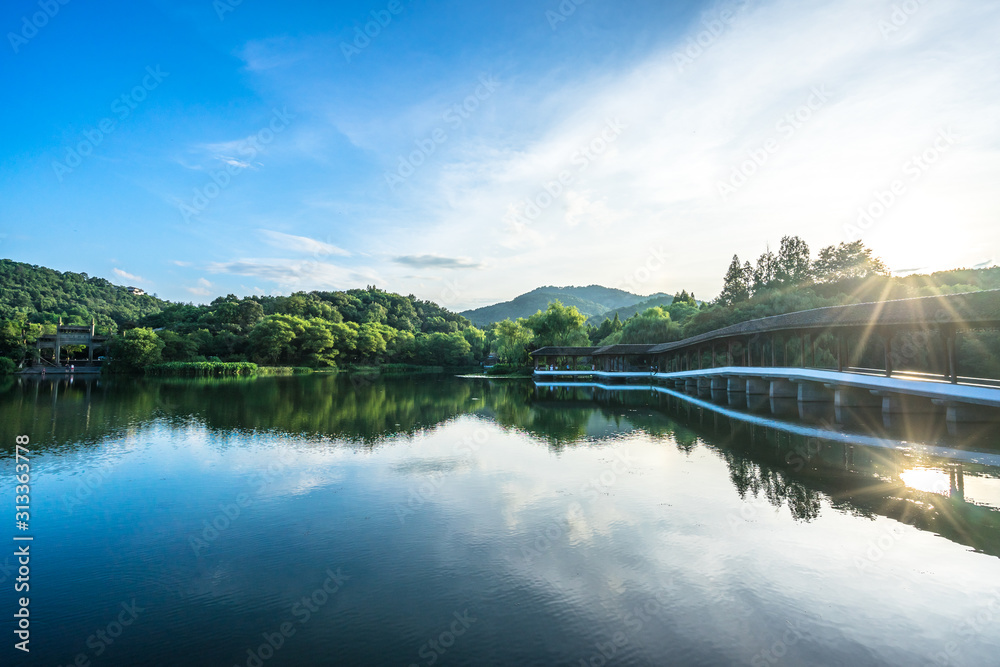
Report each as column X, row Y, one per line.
column 652, row 325
column 136, row 349
column 43, row 296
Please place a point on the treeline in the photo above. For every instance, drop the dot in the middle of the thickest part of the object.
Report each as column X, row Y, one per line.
column 314, row 329
column 783, row 282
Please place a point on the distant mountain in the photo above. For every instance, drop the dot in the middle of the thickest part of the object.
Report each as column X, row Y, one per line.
column 593, row 300
column 628, row 311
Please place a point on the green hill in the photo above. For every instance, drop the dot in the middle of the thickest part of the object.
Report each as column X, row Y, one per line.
column 593, row 300
column 628, row 311
column 46, row 295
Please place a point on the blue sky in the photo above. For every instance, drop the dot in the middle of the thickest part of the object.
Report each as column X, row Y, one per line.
column 468, row 152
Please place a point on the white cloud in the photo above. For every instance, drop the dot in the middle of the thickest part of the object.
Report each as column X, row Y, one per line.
column 301, row 244
column 127, row 276
column 881, row 100
column 294, row 274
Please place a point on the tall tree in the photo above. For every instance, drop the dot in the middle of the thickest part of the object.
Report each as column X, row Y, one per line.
column 794, row 266
column 736, row 285
column 766, row 272
column 512, row 339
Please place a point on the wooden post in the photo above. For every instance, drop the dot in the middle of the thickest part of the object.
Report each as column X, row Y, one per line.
column 802, row 344
column 729, row 354
column 840, row 353
column 774, row 354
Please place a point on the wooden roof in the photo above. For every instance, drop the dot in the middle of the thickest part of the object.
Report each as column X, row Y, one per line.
column 963, row 311
column 970, row 310
column 555, row 351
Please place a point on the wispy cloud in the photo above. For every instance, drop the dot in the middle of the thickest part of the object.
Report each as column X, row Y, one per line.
column 127, row 276
column 301, row 244
column 295, row 273
column 437, row 262
column 689, row 129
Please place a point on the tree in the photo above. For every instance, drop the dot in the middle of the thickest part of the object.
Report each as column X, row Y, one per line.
column 137, row 348
column 607, row 328
column 477, row 341
column 684, row 297
column 651, row 326
column 736, row 284
column 272, row 338
column 846, row 261
column 250, row 313
column 317, row 344
column 512, row 342
column 444, row 349
column 794, row 266
column 558, row 325
column 765, row 274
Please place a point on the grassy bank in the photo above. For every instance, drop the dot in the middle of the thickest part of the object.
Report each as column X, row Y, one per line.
column 218, row 368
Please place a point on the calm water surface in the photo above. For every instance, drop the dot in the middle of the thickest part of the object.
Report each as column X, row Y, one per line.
column 432, row 520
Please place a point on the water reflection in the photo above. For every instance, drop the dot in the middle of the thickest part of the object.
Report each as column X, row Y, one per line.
column 551, row 513
column 920, row 486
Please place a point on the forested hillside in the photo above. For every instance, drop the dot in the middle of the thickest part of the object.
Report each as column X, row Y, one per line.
column 318, row 329
column 44, row 295
column 593, row 300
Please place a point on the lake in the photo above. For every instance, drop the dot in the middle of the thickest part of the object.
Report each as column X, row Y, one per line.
column 435, row 520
